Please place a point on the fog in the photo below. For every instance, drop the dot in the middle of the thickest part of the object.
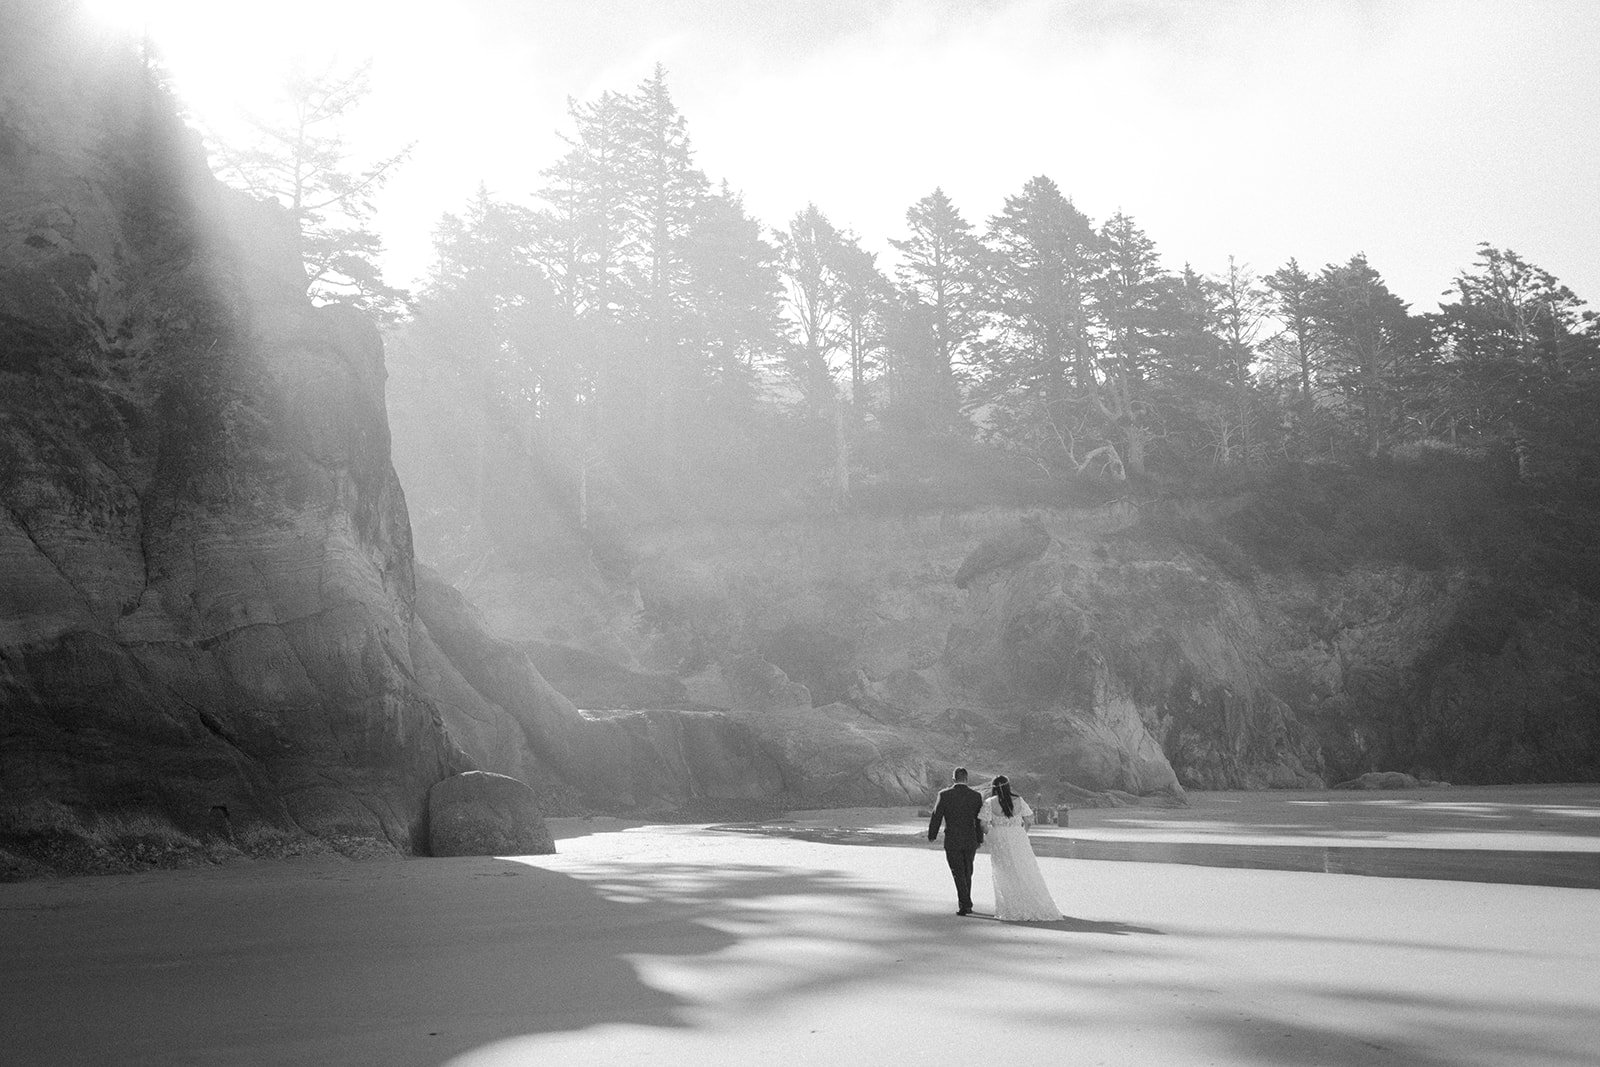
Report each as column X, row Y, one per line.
column 1407, row 131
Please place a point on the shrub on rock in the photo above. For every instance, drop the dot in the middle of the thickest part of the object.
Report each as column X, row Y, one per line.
column 481, row 814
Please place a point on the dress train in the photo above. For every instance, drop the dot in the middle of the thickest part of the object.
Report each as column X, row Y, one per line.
column 1020, row 894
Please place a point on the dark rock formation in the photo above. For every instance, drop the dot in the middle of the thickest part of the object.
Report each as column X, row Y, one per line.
column 1384, row 780
column 480, row 814
column 1024, row 543
column 206, row 594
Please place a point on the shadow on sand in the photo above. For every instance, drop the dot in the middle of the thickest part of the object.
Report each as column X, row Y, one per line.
column 1069, row 925
column 423, row 961
column 338, row 962
column 841, row 936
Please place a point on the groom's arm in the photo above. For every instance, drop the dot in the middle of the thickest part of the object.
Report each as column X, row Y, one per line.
column 936, row 819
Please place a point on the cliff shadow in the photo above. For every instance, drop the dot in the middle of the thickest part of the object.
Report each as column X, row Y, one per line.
column 408, row 961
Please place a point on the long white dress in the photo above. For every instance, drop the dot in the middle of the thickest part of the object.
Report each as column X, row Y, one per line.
column 1020, row 894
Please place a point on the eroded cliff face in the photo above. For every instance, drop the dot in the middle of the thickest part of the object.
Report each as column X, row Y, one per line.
column 1092, row 662
column 211, row 640
column 206, row 612
column 1120, row 656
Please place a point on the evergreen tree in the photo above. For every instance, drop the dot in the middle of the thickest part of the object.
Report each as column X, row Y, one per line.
column 1040, row 363
column 733, row 285
column 865, row 298
column 733, row 322
column 1139, row 319
column 299, row 159
column 666, row 195
column 1522, row 358
column 1195, row 387
column 810, row 256
column 941, row 268
column 1372, row 340
column 1296, row 351
column 1241, row 317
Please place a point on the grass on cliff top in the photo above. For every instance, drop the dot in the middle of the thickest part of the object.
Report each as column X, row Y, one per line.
column 1430, row 508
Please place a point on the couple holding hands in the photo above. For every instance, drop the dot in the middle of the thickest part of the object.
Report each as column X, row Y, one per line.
column 1020, row 894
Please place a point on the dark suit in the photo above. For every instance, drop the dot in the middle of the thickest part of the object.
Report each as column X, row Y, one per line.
column 958, row 809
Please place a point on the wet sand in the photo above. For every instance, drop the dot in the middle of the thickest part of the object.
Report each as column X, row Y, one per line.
column 1544, row 835
column 681, row 944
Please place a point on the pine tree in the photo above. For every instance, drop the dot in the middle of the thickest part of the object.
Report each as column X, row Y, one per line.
column 1140, row 317
column 810, row 254
column 732, row 320
column 299, row 159
column 1039, row 367
column 1371, row 339
column 941, row 268
column 1521, row 360
column 1241, row 318
column 865, row 297
column 1297, row 348
column 666, row 192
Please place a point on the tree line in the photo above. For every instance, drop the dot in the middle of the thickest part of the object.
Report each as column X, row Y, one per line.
column 632, row 315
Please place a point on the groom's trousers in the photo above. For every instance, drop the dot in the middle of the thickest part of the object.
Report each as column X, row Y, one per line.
column 960, row 860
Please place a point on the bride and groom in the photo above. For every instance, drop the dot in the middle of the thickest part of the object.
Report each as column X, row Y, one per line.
column 1020, row 894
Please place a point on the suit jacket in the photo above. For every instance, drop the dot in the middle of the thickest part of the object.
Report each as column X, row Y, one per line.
column 958, row 809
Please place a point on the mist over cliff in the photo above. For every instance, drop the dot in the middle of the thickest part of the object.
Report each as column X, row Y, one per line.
column 270, row 574
column 213, row 639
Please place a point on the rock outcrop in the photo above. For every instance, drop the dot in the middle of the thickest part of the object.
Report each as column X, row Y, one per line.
column 476, row 813
column 1075, row 655
column 1386, row 780
column 206, row 602
column 509, row 719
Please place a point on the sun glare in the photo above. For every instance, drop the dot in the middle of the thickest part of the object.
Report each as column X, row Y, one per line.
column 224, row 58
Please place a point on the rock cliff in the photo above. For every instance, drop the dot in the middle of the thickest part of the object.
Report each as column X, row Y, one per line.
column 206, row 607
column 212, row 639
column 1133, row 650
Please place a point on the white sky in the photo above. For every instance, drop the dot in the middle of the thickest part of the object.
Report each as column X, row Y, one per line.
column 1406, row 129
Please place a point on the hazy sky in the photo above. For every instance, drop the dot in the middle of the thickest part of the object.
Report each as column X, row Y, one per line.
column 1406, row 129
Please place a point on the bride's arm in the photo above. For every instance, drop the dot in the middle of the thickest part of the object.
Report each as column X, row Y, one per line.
column 1027, row 813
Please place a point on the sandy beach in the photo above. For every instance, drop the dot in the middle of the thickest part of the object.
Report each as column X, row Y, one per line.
column 832, row 937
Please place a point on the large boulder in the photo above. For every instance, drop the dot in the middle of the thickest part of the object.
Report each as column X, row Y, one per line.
column 481, row 814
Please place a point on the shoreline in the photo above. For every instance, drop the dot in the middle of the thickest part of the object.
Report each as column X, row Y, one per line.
column 678, row 943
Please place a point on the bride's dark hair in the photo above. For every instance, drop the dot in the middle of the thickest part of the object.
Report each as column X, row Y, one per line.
column 1001, row 787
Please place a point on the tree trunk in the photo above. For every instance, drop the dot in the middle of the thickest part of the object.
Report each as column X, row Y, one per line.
column 841, row 455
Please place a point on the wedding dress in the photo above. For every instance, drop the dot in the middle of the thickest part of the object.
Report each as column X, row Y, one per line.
column 1020, row 894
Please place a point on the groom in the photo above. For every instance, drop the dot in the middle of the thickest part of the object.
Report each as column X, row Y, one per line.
column 958, row 809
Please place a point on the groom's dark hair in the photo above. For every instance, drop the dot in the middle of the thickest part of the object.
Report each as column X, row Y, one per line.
column 959, row 774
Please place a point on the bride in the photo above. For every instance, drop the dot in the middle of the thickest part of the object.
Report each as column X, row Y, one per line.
column 1020, row 894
